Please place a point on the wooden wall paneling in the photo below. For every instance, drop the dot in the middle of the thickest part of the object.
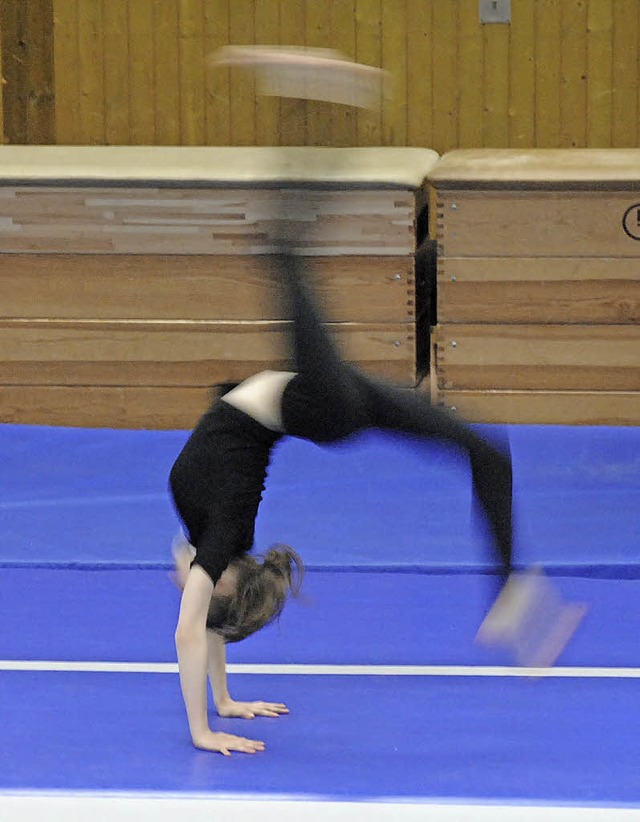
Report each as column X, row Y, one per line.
column 599, row 99
column 368, row 15
column 191, row 24
column 343, row 131
column 548, row 73
column 119, row 53
column 546, row 407
column 242, row 84
column 522, row 76
column 293, row 112
column 90, row 67
column 318, row 33
column 495, row 120
column 538, row 357
column 394, row 60
column 626, row 36
column 166, row 74
column 573, row 74
column 471, row 81
column 217, row 80
column 536, row 223
column 267, row 109
column 542, row 289
column 207, row 287
column 142, row 62
column 3, row 81
column 446, row 72
column 67, row 74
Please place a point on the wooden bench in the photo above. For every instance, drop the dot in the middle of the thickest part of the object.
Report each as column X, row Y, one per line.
column 133, row 278
column 538, row 285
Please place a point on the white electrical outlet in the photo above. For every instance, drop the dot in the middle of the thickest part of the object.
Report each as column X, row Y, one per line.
column 495, row 11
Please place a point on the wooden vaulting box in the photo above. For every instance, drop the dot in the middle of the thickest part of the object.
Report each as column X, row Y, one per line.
column 133, row 278
column 538, row 285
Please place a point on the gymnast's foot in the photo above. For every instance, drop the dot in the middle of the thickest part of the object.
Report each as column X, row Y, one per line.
column 531, row 620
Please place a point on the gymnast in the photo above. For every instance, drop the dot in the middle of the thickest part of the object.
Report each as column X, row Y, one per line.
column 218, row 479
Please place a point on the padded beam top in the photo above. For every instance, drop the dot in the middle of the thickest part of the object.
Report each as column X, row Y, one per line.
column 221, row 167
column 571, row 168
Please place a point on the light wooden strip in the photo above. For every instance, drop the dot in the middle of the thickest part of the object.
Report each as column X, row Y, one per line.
column 547, row 290
column 350, row 289
column 538, row 224
column 99, row 407
column 545, row 407
column 538, row 357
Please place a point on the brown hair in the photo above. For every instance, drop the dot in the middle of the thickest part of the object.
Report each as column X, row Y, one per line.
column 261, row 592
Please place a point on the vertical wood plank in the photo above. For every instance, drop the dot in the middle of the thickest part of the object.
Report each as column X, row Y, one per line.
column 573, row 75
column 420, row 74
column 3, row 138
column 141, row 72
column 343, row 37
column 14, row 58
column 522, row 75
column 166, row 73
column 548, row 46
column 624, row 127
column 445, row 77
column 293, row 112
column 216, row 78
column 115, row 16
column 91, row 72
column 192, row 72
column 495, row 120
column 369, row 51
column 39, row 96
column 394, row 60
column 599, row 94
column 67, row 76
column 470, row 78
column 267, row 27
column 242, row 85
column 319, row 115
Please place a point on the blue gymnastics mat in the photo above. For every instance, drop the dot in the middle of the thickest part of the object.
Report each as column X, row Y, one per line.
column 98, row 498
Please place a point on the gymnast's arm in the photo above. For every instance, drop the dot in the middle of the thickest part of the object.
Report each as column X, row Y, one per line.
column 192, row 648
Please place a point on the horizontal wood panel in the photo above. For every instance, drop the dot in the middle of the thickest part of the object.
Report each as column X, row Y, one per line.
column 180, row 353
column 555, row 290
column 202, row 221
column 538, row 357
column 537, row 224
column 103, row 407
column 375, row 289
column 545, row 407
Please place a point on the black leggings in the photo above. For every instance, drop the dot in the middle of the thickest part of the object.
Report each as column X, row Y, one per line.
column 332, row 400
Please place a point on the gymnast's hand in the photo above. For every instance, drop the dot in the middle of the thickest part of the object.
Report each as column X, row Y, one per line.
column 225, row 743
column 249, row 710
